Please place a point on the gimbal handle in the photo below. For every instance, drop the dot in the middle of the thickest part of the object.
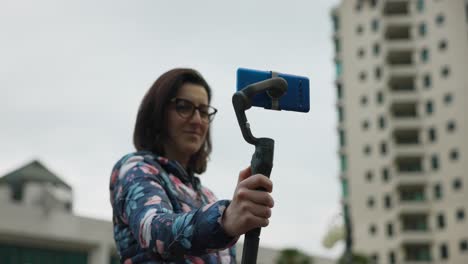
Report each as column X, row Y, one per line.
column 262, row 159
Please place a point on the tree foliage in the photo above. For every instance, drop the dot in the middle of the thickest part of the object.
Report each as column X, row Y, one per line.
column 293, row 256
column 357, row 258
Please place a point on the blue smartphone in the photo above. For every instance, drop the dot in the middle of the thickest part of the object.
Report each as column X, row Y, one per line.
column 295, row 99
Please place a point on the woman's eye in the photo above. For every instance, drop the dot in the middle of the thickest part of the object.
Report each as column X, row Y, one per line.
column 184, row 107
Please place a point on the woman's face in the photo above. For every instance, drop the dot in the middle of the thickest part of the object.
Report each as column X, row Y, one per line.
column 186, row 134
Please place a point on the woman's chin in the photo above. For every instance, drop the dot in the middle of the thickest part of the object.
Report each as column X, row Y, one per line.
column 192, row 148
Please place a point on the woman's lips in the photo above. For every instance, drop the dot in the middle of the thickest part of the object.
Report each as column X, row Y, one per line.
column 196, row 133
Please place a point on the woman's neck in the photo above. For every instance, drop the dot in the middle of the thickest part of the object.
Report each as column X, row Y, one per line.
column 182, row 159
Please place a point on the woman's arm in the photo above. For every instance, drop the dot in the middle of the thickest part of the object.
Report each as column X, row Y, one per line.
column 144, row 205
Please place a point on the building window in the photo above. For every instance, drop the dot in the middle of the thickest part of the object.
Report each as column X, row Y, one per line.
column 435, row 162
column 372, row 230
column 444, row 251
column 363, row 100
column 387, row 201
column 370, row 202
column 373, row 3
column 340, row 114
column 420, row 5
column 466, row 11
column 389, row 229
column 344, row 188
column 457, row 184
column 385, row 174
column 380, row 97
column 448, row 98
column 432, row 134
column 438, row 191
column 337, row 46
column 442, row 45
column 454, row 154
column 440, row 19
column 365, row 125
column 361, row 52
column 338, row 68
column 339, row 90
column 375, row 25
column 342, row 138
column 392, row 257
column 369, row 176
column 424, row 55
column 464, row 246
column 460, row 215
column 336, row 23
column 376, row 49
column 375, row 258
column 445, row 71
column 440, row 221
column 451, row 126
column 367, row 150
column 343, row 162
column 427, row 81
column 422, row 29
column 382, row 122
column 383, row 148
column 358, row 6
column 378, row 73
column 429, row 107
column 362, row 76
column 359, row 29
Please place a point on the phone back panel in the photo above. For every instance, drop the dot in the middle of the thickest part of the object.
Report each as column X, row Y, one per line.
column 296, row 97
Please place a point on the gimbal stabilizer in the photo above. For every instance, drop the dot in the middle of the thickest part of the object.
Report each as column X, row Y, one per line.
column 262, row 159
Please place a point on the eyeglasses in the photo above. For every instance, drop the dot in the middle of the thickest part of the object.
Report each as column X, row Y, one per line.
column 186, row 109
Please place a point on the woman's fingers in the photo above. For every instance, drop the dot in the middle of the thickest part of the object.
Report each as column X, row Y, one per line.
column 257, row 181
column 244, row 174
column 254, row 196
column 249, row 208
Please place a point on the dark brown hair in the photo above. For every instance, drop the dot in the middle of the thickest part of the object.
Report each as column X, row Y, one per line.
column 150, row 130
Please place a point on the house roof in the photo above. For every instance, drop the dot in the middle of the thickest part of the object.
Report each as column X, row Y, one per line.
column 34, row 171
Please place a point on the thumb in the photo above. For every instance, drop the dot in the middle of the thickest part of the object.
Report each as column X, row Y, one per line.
column 244, row 174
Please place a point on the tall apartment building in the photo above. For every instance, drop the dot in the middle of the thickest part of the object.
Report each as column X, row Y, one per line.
column 402, row 87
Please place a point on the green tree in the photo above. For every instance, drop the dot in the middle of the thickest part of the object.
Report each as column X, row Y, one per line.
column 293, row 256
column 357, row 258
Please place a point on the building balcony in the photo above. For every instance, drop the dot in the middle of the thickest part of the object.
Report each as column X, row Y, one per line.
column 398, row 29
column 399, row 58
column 409, row 164
column 396, row 8
column 410, row 195
column 417, row 253
column 406, row 137
column 404, row 110
column 402, row 83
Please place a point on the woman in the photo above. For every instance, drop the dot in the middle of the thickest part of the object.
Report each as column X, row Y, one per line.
column 161, row 212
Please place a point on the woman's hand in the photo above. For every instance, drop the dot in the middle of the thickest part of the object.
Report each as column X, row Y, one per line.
column 249, row 208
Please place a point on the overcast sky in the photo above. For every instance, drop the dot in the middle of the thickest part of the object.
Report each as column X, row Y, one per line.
column 72, row 74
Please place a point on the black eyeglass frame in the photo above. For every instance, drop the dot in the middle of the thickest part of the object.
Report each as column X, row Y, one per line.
column 204, row 115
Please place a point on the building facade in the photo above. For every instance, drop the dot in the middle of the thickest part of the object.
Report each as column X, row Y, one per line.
column 401, row 82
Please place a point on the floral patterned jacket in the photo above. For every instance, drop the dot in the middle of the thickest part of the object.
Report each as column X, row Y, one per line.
column 161, row 214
